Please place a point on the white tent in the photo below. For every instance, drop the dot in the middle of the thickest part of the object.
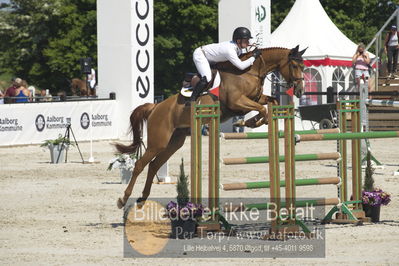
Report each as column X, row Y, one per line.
column 308, row 25
column 329, row 53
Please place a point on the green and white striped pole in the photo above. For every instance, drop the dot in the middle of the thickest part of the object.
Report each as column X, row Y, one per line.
column 282, row 158
column 266, row 184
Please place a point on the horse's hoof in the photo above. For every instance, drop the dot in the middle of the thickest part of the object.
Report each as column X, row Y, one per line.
column 272, row 100
column 251, row 123
column 298, row 93
column 239, row 123
column 140, row 202
column 120, row 203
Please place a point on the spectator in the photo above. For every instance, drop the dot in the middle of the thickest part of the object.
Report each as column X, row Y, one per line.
column 49, row 97
column 10, row 92
column 42, row 96
column 45, row 96
column 91, row 78
column 205, row 130
column 235, row 128
column 1, row 97
column 91, row 83
column 361, row 62
column 392, row 49
column 22, row 93
column 32, row 91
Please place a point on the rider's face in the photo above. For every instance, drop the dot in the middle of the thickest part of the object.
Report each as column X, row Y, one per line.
column 243, row 43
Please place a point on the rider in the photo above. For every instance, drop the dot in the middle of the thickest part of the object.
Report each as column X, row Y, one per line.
column 219, row 52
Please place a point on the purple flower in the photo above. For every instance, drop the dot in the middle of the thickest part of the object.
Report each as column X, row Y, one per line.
column 189, row 211
column 190, row 205
column 171, row 205
column 376, row 198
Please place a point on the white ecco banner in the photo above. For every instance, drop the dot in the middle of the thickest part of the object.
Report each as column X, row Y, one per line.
column 35, row 122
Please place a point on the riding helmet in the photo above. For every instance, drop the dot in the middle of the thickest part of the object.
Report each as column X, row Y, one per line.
column 241, row 33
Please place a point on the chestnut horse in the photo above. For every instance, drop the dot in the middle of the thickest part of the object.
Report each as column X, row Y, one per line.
column 240, row 92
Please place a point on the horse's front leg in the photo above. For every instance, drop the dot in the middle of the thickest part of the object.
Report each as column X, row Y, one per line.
column 138, row 168
column 264, row 99
column 260, row 118
column 245, row 105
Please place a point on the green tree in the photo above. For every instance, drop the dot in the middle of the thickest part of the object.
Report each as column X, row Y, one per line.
column 359, row 20
column 368, row 178
column 180, row 26
column 42, row 40
column 279, row 10
column 183, row 194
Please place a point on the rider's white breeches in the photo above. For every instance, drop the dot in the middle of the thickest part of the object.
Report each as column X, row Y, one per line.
column 202, row 64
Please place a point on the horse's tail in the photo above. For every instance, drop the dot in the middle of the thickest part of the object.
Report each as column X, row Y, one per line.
column 137, row 118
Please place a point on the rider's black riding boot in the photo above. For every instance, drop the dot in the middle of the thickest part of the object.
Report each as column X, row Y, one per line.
column 199, row 87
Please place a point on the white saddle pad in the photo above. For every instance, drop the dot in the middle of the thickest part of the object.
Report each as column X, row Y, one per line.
column 186, row 92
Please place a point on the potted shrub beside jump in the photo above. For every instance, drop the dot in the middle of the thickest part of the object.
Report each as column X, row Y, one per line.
column 373, row 197
column 125, row 163
column 57, row 148
column 183, row 213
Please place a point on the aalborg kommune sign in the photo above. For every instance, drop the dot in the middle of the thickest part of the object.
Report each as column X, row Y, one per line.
column 34, row 122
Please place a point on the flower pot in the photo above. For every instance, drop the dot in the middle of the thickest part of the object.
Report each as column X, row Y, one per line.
column 57, row 153
column 373, row 212
column 126, row 174
column 183, row 229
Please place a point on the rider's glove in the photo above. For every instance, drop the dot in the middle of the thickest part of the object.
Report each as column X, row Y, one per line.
column 256, row 53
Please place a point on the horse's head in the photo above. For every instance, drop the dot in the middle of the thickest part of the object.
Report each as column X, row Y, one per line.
column 292, row 70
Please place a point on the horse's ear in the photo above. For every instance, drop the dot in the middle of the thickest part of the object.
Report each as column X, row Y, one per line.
column 303, row 51
column 294, row 50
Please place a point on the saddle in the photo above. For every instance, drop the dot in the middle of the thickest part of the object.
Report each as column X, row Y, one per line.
column 191, row 79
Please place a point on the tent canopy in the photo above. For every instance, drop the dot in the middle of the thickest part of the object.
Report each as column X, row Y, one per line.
column 308, row 25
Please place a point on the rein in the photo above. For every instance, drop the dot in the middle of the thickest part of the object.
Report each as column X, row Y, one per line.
column 261, row 79
column 259, row 76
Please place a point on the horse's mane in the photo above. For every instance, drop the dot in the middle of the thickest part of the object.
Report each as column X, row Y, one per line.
column 227, row 66
column 274, row 48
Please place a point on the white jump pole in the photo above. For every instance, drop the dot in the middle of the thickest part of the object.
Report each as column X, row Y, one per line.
column 364, row 116
column 91, row 158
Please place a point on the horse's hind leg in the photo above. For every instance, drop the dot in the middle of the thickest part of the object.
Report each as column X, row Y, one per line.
column 252, row 122
column 264, row 99
column 138, row 168
column 175, row 143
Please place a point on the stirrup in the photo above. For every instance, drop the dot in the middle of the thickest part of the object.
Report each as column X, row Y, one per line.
column 188, row 103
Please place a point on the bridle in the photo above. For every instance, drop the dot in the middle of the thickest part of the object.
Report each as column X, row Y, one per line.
column 293, row 80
